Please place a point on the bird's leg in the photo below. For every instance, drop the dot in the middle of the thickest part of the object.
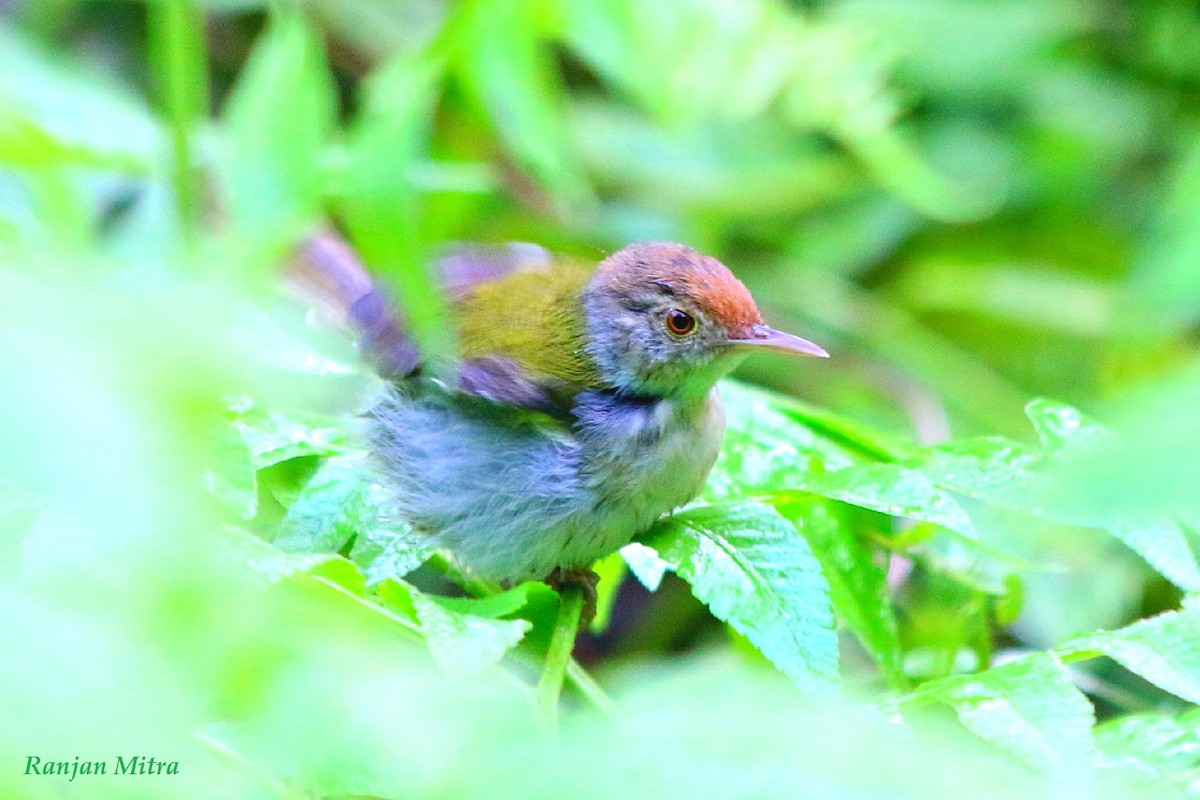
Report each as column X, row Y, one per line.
column 586, row 580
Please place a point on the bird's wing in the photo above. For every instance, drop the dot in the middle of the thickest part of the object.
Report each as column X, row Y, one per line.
column 517, row 313
column 524, row 330
column 466, row 265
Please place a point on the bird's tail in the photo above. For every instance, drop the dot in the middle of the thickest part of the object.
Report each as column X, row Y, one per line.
column 325, row 272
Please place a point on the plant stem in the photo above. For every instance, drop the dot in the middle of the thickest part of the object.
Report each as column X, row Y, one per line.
column 562, row 643
column 579, row 677
column 178, row 60
column 582, row 680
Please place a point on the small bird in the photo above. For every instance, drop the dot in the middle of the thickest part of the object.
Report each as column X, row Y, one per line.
column 584, row 404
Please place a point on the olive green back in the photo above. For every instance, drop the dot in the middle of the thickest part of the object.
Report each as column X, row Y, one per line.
column 534, row 317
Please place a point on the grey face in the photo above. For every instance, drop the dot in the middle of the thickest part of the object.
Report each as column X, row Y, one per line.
column 649, row 340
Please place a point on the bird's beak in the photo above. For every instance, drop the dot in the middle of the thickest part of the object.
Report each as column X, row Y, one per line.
column 771, row 339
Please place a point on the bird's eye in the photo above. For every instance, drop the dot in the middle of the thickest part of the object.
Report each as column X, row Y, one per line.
column 680, row 323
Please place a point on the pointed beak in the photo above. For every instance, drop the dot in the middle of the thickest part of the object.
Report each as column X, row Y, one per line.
column 771, row 339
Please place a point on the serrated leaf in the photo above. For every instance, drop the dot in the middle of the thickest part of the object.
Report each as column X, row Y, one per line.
column 892, row 489
column 1157, row 745
column 273, row 436
column 1163, row 543
column 1165, row 650
column 462, row 644
column 389, row 552
column 750, row 567
column 1015, row 477
column 764, row 449
column 278, row 118
column 272, row 565
column 333, row 506
column 645, row 564
column 857, row 581
column 1028, row 708
column 768, row 450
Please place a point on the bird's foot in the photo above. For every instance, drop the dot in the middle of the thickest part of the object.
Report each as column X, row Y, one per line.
column 586, row 580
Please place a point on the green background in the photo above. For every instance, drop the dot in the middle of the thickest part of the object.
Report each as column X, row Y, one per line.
column 953, row 560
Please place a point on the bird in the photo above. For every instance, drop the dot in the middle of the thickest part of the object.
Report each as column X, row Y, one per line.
column 581, row 407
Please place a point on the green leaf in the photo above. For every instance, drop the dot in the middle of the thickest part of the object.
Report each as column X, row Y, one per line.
column 1061, row 427
column 278, row 118
column 693, row 60
column 1163, row 543
column 462, row 644
column 492, row 606
column 1014, row 476
column 611, row 571
column 898, row 166
column 765, row 450
column 1165, row 650
column 379, row 200
column 688, row 60
column 273, row 436
column 748, row 565
column 178, row 59
column 1028, row 708
column 389, row 552
column 509, row 70
column 77, row 112
column 19, row 509
column 333, row 506
column 1153, row 744
column 987, row 468
column 1164, row 286
column 231, row 477
column 858, row 585
column 1072, row 441
column 892, row 489
column 270, row 565
column 61, row 120
column 770, row 448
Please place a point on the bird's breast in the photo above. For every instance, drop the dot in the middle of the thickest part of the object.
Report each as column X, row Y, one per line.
column 645, row 457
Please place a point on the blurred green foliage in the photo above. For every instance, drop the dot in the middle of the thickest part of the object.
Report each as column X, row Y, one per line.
column 976, row 570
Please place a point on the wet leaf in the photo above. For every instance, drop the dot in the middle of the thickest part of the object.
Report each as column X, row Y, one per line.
column 331, row 508
column 274, row 435
column 1028, row 708
column 1026, row 480
column 1164, row 650
column 892, row 489
column 857, row 579
column 750, row 567
column 765, row 450
column 463, row 644
column 1156, row 745
column 388, row 549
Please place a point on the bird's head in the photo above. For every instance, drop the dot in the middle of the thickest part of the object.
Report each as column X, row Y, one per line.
column 665, row 320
